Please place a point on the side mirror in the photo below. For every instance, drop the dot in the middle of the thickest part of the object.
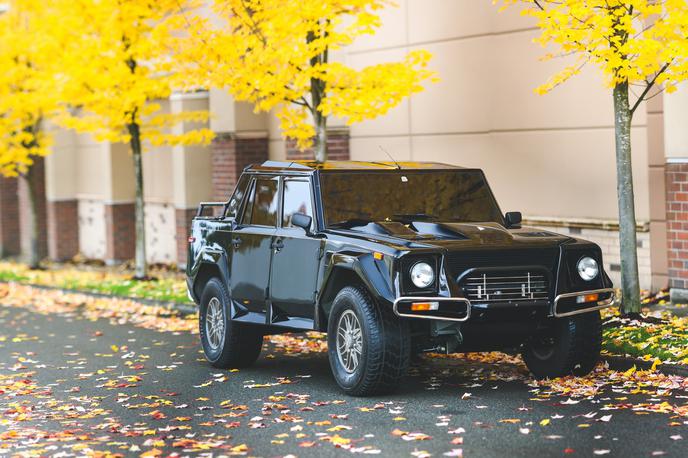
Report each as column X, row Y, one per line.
column 302, row 221
column 513, row 219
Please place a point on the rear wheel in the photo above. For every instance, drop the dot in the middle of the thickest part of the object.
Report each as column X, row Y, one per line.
column 570, row 346
column 226, row 343
column 369, row 347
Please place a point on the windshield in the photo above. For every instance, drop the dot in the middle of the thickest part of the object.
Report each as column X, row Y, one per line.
column 447, row 196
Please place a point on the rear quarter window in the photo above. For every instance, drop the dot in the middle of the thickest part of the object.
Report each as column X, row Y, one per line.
column 238, row 196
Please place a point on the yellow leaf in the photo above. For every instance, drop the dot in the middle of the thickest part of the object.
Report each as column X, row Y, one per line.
column 630, row 371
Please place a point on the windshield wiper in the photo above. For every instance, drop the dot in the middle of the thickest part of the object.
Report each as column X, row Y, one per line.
column 410, row 217
column 351, row 222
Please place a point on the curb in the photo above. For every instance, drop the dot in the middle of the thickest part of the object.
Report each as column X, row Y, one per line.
column 623, row 363
column 674, row 310
column 186, row 308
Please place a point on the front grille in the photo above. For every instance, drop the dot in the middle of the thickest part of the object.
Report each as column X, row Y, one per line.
column 458, row 262
column 506, row 286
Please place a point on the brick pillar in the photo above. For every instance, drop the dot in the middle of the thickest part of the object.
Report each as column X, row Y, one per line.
column 183, row 223
column 337, row 147
column 677, row 228
column 9, row 217
column 231, row 153
column 63, row 229
column 120, row 232
column 37, row 177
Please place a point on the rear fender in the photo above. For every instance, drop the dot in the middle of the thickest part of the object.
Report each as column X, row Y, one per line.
column 210, row 262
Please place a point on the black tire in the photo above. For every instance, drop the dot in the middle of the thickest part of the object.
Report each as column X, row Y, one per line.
column 385, row 342
column 571, row 346
column 239, row 345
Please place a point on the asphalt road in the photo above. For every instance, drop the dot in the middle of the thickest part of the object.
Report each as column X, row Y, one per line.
column 69, row 385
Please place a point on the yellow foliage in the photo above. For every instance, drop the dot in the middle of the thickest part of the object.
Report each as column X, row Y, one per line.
column 276, row 55
column 641, row 42
column 27, row 83
column 116, row 66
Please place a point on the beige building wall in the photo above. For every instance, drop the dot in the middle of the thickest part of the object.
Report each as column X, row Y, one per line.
column 676, row 124
column 101, row 173
column 539, row 151
column 549, row 156
column 92, row 170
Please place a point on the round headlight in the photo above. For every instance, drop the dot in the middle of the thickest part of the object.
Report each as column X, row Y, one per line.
column 422, row 274
column 588, row 268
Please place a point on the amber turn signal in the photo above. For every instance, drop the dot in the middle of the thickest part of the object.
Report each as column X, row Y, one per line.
column 424, row 306
column 377, row 255
column 588, row 298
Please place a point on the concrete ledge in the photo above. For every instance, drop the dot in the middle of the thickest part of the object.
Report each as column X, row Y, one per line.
column 581, row 223
column 678, row 296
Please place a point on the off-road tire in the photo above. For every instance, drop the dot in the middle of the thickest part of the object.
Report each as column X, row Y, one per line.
column 575, row 350
column 241, row 344
column 386, row 349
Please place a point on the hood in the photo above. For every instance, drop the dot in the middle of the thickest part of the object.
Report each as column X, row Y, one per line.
column 452, row 235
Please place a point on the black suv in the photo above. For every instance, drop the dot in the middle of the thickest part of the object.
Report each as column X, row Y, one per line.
column 390, row 259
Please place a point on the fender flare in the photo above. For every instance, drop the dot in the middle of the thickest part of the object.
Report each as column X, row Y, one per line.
column 209, row 261
column 373, row 274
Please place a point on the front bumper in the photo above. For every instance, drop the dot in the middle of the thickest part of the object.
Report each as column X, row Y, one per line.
column 449, row 308
column 604, row 303
column 459, row 308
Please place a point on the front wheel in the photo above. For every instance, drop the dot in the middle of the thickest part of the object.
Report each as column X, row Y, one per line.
column 368, row 346
column 226, row 343
column 569, row 346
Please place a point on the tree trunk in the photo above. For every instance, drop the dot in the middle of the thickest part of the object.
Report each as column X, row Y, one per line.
column 630, row 284
column 141, row 271
column 318, row 89
column 320, row 146
column 33, row 257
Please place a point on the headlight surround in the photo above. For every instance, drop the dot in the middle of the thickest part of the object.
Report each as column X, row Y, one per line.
column 422, row 274
column 588, row 269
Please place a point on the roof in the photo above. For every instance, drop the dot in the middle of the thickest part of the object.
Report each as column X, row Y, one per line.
column 310, row 166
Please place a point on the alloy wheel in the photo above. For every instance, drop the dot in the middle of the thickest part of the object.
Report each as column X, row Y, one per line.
column 215, row 323
column 349, row 341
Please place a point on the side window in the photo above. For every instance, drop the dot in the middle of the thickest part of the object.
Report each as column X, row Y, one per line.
column 297, row 199
column 238, row 196
column 264, row 205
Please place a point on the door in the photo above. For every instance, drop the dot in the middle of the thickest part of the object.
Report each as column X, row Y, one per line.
column 251, row 247
column 296, row 257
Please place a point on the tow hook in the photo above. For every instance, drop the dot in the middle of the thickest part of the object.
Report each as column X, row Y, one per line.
column 449, row 346
column 453, row 342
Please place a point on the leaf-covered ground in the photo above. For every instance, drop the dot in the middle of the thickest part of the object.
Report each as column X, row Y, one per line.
column 656, row 336
column 667, row 342
column 84, row 376
column 167, row 286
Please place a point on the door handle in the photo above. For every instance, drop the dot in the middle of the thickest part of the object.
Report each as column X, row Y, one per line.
column 236, row 241
column 277, row 245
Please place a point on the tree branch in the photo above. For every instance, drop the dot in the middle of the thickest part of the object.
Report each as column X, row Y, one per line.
column 648, row 87
column 302, row 102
